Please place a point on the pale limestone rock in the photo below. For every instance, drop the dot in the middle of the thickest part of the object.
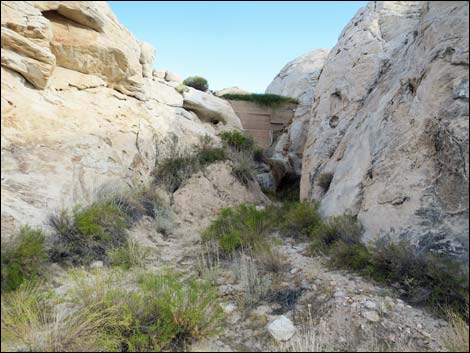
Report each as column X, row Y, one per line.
column 210, row 108
column 61, row 144
column 297, row 79
column 371, row 316
column 282, row 329
column 159, row 74
column 147, row 57
column 25, row 42
column 172, row 77
column 390, row 120
column 214, row 189
column 230, row 90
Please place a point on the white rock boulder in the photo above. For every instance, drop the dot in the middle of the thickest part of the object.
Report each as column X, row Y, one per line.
column 282, row 329
column 211, row 109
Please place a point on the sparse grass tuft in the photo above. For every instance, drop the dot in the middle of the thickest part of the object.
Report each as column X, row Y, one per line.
column 32, row 321
column 23, row 257
column 161, row 312
column 457, row 339
column 268, row 100
column 243, row 167
column 132, row 255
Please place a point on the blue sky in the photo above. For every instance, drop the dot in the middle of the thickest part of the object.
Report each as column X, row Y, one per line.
column 242, row 44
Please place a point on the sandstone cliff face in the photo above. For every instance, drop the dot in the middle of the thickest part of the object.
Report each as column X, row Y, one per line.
column 390, row 121
column 297, row 79
column 80, row 108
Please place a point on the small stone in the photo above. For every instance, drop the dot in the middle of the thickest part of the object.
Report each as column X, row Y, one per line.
column 340, row 294
column 282, row 329
column 294, row 271
column 97, row 264
column 371, row 316
column 370, row 305
column 419, row 326
column 228, row 308
column 260, row 208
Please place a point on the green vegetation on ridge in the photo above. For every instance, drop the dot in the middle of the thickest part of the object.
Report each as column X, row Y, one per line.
column 267, row 100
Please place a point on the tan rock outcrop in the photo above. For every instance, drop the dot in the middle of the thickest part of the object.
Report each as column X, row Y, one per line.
column 390, row 121
column 83, row 128
column 297, row 79
column 211, row 109
column 81, row 36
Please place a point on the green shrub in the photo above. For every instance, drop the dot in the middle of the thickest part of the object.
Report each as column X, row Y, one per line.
column 422, row 278
column 435, row 280
column 23, row 257
column 174, row 170
column 298, row 218
column 88, row 233
column 238, row 140
column 197, row 82
column 340, row 228
column 243, row 227
column 180, row 165
column 268, row 100
column 354, row 257
column 324, row 180
column 210, row 155
column 161, row 313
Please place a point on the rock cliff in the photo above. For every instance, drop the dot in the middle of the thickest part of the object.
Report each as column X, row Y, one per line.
column 81, row 107
column 389, row 124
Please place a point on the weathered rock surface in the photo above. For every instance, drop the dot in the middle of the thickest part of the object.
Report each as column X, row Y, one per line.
column 230, row 90
column 282, row 329
column 80, row 108
column 390, row 121
column 297, row 79
column 84, row 37
column 211, row 108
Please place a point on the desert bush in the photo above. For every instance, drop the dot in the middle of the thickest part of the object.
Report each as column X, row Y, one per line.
column 238, row 141
column 268, row 100
column 174, row 170
column 134, row 202
column 180, row 165
column 334, row 229
column 23, row 257
column 298, row 218
column 161, row 312
column 354, row 257
column 435, row 280
column 32, row 321
column 421, row 277
column 239, row 228
column 324, row 180
column 197, row 82
column 88, row 233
